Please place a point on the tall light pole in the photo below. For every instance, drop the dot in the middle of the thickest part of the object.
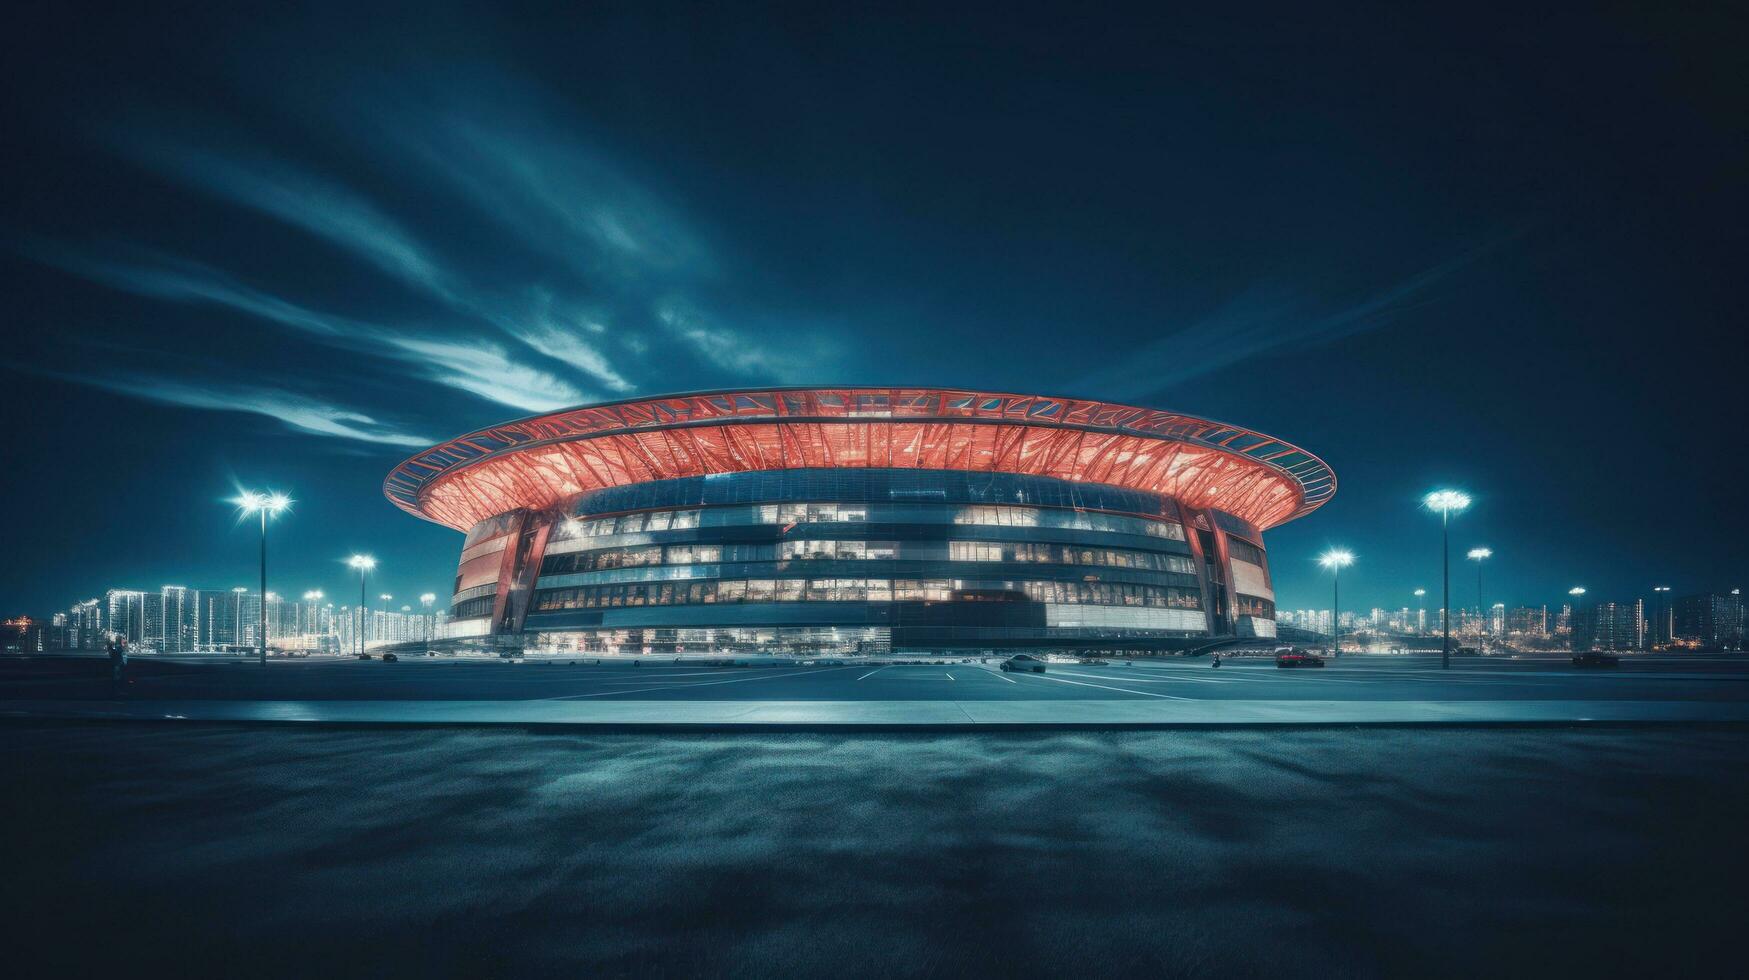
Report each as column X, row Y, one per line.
column 428, row 600
column 1662, row 594
column 1447, row 503
column 364, row 563
column 265, row 505
column 1573, row 616
column 1336, row 560
column 1420, row 611
column 1480, row 555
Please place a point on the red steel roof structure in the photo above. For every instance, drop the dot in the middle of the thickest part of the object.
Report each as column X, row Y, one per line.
column 540, row 462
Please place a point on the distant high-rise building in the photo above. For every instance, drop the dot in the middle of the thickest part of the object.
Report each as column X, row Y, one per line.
column 85, row 630
column 177, row 620
column 126, row 611
column 1609, row 626
column 1528, row 621
column 1712, row 619
column 1497, row 619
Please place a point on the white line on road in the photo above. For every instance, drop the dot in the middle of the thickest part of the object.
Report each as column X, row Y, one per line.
column 872, row 673
column 950, row 677
column 998, row 676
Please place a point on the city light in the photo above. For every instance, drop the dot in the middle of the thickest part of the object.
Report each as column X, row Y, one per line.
column 1336, row 560
column 1577, row 590
column 269, row 504
column 1479, row 555
column 314, row 595
column 364, row 563
column 1446, row 503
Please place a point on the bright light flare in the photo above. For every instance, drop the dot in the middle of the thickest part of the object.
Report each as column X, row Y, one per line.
column 1420, row 592
column 1480, row 553
column 364, row 562
column 385, row 597
column 1576, row 590
column 1336, row 559
column 1446, row 501
column 313, row 595
column 428, row 597
column 251, row 501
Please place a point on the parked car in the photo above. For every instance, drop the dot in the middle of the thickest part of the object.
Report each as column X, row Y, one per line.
column 1298, row 658
column 1595, row 659
column 389, row 658
column 1024, row 663
column 364, row 656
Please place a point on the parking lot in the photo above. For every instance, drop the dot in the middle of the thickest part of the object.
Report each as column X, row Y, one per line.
column 1351, row 678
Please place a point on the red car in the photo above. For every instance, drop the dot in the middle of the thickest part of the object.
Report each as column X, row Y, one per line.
column 1298, row 658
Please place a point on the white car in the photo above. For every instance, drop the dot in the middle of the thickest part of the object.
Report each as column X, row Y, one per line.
column 1022, row 662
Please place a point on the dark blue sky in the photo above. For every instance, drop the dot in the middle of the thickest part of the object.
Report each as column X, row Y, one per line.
column 1498, row 250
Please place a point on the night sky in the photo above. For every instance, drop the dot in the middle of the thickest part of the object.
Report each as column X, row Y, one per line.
column 1499, row 250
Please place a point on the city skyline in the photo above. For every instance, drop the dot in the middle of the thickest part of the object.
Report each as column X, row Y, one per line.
column 293, row 288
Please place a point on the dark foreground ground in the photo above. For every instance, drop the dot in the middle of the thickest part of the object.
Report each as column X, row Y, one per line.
column 206, row 851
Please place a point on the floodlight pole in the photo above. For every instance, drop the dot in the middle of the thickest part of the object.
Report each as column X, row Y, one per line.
column 1445, row 575
column 264, row 586
column 1336, row 610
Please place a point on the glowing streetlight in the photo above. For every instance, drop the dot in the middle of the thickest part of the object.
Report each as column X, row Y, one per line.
column 1336, row 560
column 1447, row 503
column 265, row 505
column 364, row 563
column 1480, row 555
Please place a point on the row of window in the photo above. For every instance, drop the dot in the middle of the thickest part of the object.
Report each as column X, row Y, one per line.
column 691, row 554
column 853, row 590
column 808, row 513
column 1068, row 554
column 1250, row 605
column 1241, row 550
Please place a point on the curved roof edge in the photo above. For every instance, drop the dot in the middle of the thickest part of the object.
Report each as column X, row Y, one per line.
column 410, row 484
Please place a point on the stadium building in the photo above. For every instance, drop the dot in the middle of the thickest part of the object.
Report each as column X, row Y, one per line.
column 861, row 520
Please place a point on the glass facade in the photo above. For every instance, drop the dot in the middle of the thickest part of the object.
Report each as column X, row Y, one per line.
column 859, row 560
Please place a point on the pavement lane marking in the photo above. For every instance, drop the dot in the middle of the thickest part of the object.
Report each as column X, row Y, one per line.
column 873, row 672
column 950, row 677
column 672, row 687
column 1148, row 694
column 998, row 675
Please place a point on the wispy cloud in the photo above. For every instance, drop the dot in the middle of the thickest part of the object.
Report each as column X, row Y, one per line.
column 299, row 199
column 486, row 371
column 298, row 412
column 1260, row 321
column 797, row 355
column 476, row 367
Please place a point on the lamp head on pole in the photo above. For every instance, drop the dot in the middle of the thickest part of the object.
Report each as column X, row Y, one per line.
column 1419, row 593
column 1446, row 501
column 270, row 504
column 363, row 563
column 1577, row 590
column 1337, row 559
column 1478, row 554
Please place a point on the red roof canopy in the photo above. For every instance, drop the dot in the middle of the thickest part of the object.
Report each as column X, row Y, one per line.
column 543, row 461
